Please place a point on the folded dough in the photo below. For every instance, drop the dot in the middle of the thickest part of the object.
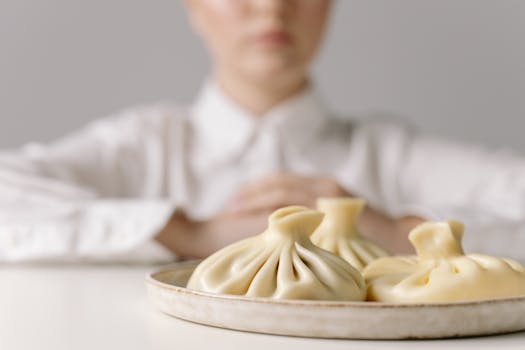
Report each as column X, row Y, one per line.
column 281, row 263
column 441, row 272
column 338, row 232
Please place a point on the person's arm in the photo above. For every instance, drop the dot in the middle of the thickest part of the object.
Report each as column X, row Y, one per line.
column 483, row 188
column 95, row 194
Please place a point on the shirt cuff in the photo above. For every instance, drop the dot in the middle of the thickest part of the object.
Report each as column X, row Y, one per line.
column 100, row 230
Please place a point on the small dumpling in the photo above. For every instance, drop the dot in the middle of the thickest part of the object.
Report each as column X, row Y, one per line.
column 280, row 263
column 441, row 272
column 338, row 232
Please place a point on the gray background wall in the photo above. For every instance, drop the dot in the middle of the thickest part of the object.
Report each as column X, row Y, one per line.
column 455, row 68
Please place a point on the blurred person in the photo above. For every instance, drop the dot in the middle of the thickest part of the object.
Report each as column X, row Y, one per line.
column 166, row 181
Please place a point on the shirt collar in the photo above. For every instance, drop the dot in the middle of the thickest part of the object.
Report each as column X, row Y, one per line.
column 227, row 127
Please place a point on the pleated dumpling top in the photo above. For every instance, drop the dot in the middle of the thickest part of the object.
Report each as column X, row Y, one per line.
column 441, row 271
column 338, row 232
column 280, row 263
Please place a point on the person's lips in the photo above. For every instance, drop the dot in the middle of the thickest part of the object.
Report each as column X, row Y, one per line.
column 274, row 37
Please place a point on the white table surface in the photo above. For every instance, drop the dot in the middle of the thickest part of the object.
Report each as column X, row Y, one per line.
column 106, row 307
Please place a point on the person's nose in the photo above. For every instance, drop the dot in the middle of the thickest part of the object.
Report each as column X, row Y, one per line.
column 274, row 8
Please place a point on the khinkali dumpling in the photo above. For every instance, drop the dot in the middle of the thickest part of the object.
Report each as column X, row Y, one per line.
column 441, row 271
column 281, row 263
column 338, row 232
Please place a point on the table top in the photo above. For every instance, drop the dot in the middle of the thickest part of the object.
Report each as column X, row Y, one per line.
column 105, row 306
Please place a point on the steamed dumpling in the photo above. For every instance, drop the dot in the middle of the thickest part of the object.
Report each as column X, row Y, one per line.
column 338, row 232
column 441, row 271
column 281, row 263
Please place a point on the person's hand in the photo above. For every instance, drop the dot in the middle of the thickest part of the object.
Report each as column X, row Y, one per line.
column 282, row 189
column 198, row 239
column 247, row 215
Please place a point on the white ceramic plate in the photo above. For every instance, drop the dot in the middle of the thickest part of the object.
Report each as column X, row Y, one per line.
column 331, row 319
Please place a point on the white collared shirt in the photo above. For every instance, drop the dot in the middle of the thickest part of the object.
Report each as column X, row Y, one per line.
column 105, row 191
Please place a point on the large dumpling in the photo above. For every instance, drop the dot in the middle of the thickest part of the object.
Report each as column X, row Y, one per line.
column 338, row 232
column 441, row 271
column 281, row 263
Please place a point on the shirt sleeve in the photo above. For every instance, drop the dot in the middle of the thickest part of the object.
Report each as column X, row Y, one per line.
column 483, row 188
column 97, row 194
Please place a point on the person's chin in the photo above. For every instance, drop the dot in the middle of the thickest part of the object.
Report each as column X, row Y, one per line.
column 271, row 77
column 273, row 67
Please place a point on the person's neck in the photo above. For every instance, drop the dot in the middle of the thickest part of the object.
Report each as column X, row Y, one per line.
column 259, row 97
